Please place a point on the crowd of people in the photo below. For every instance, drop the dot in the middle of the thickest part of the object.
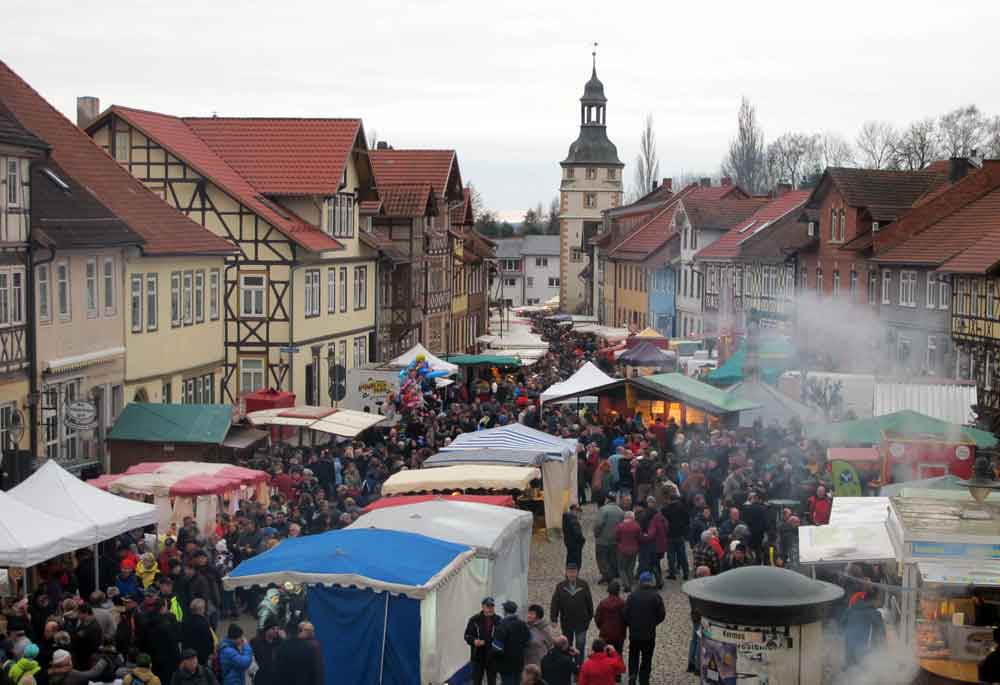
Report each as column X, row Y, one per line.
column 671, row 499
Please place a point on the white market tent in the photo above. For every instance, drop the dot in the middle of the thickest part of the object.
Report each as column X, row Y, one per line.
column 59, row 493
column 460, row 477
column 346, row 423
column 501, row 537
column 857, row 532
column 29, row 536
column 436, row 364
column 586, row 377
column 559, row 470
column 518, row 336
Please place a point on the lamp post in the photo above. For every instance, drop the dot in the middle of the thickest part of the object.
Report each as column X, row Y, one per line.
column 983, row 480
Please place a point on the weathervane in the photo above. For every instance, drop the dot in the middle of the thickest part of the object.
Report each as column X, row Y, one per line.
column 594, row 55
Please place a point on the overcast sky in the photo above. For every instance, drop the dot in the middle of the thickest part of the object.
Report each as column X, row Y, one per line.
column 499, row 81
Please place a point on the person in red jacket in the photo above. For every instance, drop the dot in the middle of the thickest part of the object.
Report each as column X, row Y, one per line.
column 657, row 530
column 627, row 535
column 610, row 617
column 602, row 667
column 819, row 507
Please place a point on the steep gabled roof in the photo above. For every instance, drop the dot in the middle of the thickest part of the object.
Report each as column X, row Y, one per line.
column 180, row 140
column 283, row 156
column 708, row 212
column 407, row 200
column 163, row 229
column 648, row 238
column 885, row 194
column 439, row 168
column 462, row 214
column 13, row 133
column 731, row 244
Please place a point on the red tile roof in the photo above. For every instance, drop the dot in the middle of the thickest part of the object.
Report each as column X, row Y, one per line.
column 163, row 229
column 283, row 156
column 648, row 238
column 176, row 136
column 439, row 168
column 407, row 200
column 729, row 245
column 461, row 214
column 708, row 212
column 886, row 195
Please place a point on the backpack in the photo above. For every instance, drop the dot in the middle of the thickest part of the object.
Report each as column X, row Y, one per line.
column 216, row 666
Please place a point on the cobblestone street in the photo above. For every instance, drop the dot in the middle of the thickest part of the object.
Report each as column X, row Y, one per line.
column 547, row 566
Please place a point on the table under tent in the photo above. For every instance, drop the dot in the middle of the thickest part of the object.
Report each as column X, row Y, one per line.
column 559, row 466
column 388, row 606
column 53, row 512
column 501, row 537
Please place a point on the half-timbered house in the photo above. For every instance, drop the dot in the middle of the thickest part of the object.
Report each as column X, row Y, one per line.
column 438, row 169
column 94, row 229
column 298, row 298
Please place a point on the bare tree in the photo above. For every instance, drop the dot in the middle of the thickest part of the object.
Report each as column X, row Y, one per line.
column 918, row 145
column 647, row 162
column 876, row 144
column 372, row 139
column 745, row 161
column 794, row 157
column 991, row 146
column 962, row 131
column 834, row 150
column 477, row 199
column 552, row 219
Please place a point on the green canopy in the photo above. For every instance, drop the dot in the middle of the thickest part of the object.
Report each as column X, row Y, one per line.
column 180, row 423
column 691, row 391
column 775, row 355
column 483, row 360
column 906, row 422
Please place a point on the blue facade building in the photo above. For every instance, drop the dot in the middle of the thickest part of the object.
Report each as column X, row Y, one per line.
column 663, row 300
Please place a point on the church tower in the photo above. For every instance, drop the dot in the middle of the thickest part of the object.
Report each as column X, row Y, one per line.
column 591, row 183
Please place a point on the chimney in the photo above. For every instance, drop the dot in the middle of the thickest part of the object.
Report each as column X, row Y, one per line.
column 668, row 183
column 87, row 109
column 958, row 167
column 706, row 182
column 726, row 181
column 782, row 188
column 382, row 145
column 654, row 184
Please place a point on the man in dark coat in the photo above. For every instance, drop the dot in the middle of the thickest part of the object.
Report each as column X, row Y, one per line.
column 159, row 635
column 479, row 636
column 510, row 640
column 573, row 536
column 644, row 611
column 196, row 634
column 265, row 647
column 559, row 666
column 192, row 672
column 572, row 607
column 299, row 660
column 678, row 529
column 87, row 638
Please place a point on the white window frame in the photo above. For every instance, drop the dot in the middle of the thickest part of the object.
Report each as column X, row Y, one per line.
column 360, row 288
column 13, row 174
column 590, row 200
column 64, row 292
column 530, row 281
column 257, row 299
column 872, row 287
column 199, row 296
column 541, row 261
column 886, row 286
column 907, row 288
column 214, row 283
column 944, row 292
column 90, row 290
column 44, row 293
column 853, row 285
column 135, row 302
column 331, row 290
column 108, row 274
column 17, row 280
column 152, row 302
column 931, row 345
column 930, row 296
column 553, row 281
column 836, row 282
column 340, row 215
column 187, row 297
column 5, row 288
column 343, row 289
column 311, row 300
column 123, row 155
column 262, row 371
column 175, row 299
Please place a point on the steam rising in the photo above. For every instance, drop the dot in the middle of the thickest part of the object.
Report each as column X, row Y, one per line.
column 836, row 334
column 894, row 664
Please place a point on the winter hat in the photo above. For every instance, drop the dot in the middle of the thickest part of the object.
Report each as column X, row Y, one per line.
column 188, row 654
column 234, row 632
column 59, row 656
column 222, row 546
column 510, row 607
column 143, row 661
column 31, row 652
column 646, row 578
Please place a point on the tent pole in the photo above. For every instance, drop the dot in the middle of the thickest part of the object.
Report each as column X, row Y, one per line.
column 385, row 631
column 97, row 568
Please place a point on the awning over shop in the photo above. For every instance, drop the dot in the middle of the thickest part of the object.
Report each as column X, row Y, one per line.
column 483, row 360
column 462, row 477
column 346, row 423
column 403, row 500
column 647, row 354
column 774, row 356
column 486, row 456
column 691, row 391
column 173, row 423
column 242, row 437
column 869, row 431
column 514, row 436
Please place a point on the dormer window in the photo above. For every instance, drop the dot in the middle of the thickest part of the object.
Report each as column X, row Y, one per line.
column 340, row 216
column 812, row 229
column 874, row 227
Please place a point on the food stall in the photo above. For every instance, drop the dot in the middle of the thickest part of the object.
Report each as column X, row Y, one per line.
column 949, row 551
column 851, row 467
column 856, row 532
column 908, row 456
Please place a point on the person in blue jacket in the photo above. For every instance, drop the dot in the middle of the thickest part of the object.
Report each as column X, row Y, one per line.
column 235, row 656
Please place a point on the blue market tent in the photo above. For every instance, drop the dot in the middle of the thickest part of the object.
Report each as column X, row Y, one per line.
column 386, row 604
column 775, row 356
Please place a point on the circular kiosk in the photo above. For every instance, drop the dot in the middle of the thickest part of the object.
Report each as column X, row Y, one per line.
column 761, row 625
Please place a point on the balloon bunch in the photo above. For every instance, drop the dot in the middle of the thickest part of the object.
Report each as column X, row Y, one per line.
column 416, row 379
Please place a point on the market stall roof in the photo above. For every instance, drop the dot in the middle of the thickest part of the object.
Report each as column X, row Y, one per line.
column 461, row 477
column 436, row 363
column 483, row 360
column 343, row 422
column 844, row 543
column 479, row 526
column 177, row 423
column 177, row 477
column 518, row 336
column 29, row 536
column 242, row 437
column 487, row 456
column 647, row 354
column 859, row 510
column 56, row 491
column 775, row 354
column 587, row 377
column 403, row 500
column 869, row 431
column 775, row 406
column 852, row 454
column 921, row 487
column 356, row 558
column 928, row 520
column 648, row 332
column 692, row 391
column 514, row 436
column 605, row 332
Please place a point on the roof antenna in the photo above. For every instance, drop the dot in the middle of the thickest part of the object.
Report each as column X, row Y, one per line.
column 594, row 55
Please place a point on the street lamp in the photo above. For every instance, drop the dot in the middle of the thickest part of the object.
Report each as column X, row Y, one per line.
column 983, row 480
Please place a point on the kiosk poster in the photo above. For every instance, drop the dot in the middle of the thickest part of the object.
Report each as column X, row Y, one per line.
column 734, row 655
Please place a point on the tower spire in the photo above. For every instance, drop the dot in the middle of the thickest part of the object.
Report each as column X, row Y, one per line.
column 594, row 56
